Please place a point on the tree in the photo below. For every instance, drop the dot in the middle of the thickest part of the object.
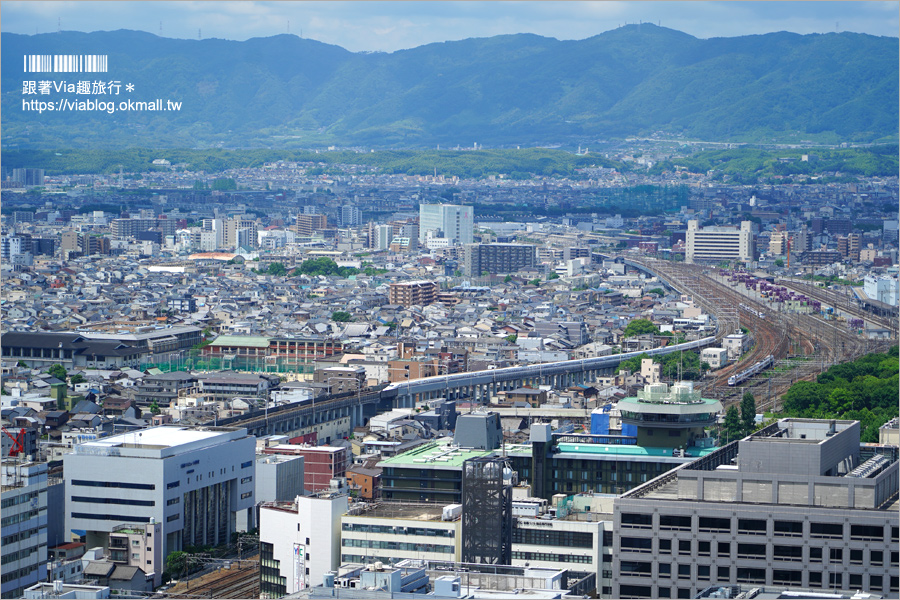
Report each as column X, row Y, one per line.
column 77, row 378
column 779, row 262
column 457, row 273
column 535, row 282
column 340, row 316
column 511, row 338
column 640, row 327
column 552, row 276
column 154, row 408
column 732, row 427
column 748, row 413
column 507, row 279
column 58, row 371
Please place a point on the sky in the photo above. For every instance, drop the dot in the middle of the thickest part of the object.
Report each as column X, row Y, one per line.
column 389, row 26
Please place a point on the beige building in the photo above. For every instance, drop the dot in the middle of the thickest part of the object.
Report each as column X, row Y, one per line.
column 419, row 293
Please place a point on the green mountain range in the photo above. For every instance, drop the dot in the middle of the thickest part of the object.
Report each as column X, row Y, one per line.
column 284, row 91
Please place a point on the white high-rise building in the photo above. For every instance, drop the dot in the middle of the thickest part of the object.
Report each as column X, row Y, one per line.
column 719, row 243
column 351, row 216
column 451, row 221
column 299, row 542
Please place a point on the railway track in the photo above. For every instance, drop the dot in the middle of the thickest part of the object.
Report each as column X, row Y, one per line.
column 803, row 345
column 842, row 302
column 238, row 581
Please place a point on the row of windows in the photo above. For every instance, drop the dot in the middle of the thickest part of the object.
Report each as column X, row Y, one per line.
column 22, row 535
column 113, row 501
column 542, row 537
column 753, row 575
column 114, row 484
column 756, row 526
column 425, row 531
column 13, row 556
column 99, row 517
column 16, row 574
column 21, row 517
column 548, row 556
column 20, row 499
column 391, row 545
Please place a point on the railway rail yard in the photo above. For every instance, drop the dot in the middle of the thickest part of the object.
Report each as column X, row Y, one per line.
column 803, row 345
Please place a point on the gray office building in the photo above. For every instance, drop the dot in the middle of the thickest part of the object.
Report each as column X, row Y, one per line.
column 196, row 482
column 497, row 258
column 800, row 503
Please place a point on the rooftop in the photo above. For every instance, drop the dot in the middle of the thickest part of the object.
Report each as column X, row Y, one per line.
column 441, row 453
column 399, row 510
column 166, row 436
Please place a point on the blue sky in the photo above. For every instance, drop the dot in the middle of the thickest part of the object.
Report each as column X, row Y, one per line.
column 390, row 26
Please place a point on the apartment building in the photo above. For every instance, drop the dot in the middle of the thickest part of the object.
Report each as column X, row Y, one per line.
column 419, row 293
column 497, row 258
column 23, row 525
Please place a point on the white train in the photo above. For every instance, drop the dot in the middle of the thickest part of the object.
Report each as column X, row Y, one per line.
column 750, row 372
column 753, row 311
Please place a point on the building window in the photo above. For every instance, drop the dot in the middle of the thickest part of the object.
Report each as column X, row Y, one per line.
column 815, row 578
column 684, row 571
column 876, row 558
column 246, row 479
column 875, row 582
column 174, row 517
column 246, row 495
column 723, row 574
column 836, row 555
column 665, row 569
column 724, row 549
column 665, row 546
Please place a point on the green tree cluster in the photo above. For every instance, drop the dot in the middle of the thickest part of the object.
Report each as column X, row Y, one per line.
column 863, row 390
column 323, row 266
column 340, row 316
column 58, row 371
column 640, row 327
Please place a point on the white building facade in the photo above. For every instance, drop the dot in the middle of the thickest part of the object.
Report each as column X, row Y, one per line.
column 453, row 221
column 718, row 243
column 194, row 482
column 24, row 526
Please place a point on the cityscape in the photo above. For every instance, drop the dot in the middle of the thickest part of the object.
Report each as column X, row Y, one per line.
column 640, row 365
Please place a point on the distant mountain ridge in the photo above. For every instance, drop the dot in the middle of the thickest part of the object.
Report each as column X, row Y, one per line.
column 503, row 90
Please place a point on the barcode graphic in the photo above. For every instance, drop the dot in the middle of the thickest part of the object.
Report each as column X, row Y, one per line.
column 65, row 63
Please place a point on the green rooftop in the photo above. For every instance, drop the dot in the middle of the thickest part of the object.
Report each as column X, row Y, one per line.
column 437, row 454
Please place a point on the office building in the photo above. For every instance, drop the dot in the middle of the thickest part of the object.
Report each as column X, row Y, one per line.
column 24, row 525
column 389, row 532
column 714, row 244
column 450, row 221
column 799, row 503
column 299, row 542
column 497, row 258
column 321, row 464
column 419, row 293
column 192, row 481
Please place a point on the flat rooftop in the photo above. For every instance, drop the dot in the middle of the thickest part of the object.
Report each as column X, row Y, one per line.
column 437, row 454
column 403, row 510
column 155, row 437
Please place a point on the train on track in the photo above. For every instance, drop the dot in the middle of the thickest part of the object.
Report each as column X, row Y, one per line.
column 753, row 311
column 750, row 372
